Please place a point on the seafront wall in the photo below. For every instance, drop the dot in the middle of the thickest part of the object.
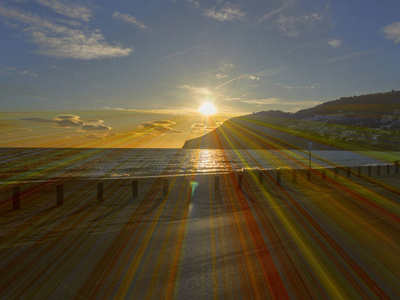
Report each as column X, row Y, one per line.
column 55, row 192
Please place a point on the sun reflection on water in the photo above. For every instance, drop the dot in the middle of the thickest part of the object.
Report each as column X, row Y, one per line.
column 206, row 160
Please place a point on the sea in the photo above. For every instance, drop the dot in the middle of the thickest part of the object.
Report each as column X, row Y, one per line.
column 53, row 163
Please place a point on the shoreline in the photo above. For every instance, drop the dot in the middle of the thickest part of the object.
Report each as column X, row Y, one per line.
column 5, row 179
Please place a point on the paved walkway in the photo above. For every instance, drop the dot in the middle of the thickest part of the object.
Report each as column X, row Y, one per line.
column 333, row 238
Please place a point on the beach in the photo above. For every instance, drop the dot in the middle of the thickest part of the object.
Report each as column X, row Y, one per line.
column 234, row 235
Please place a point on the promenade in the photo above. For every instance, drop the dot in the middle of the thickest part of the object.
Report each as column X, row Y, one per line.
column 206, row 236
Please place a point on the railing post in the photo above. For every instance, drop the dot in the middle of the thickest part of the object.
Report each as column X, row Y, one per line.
column 60, row 194
column 359, row 171
column 369, row 171
column 135, row 188
column 278, row 177
column 260, row 177
column 216, row 183
column 378, row 170
column 348, row 172
column 100, row 192
column 387, row 169
column 16, row 197
column 240, row 180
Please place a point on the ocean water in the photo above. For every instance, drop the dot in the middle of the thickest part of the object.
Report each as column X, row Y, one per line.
column 40, row 163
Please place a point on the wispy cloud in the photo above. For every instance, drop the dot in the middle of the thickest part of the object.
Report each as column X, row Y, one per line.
column 253, row 76
column 291, row 25
column 68, row 8
column 335, row 43
column 195, row 3
column 203, row 91
column 29, row 73
column 61, row 41
column 392, row 32
column 269, row 72
column 279, row 101
column 13, row 71
column 310, row 87
column 221, row 76
column 271, row 13
column 13, row 130
column 130, row 19
column 347, row 56
column 263, row 101
column 225, row 13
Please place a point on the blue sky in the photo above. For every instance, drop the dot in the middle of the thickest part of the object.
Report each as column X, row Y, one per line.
column 170, row 55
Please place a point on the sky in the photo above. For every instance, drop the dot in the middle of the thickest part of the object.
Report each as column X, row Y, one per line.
column 160, row 60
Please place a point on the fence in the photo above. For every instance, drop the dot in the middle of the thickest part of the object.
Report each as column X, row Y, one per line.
column 275, row 176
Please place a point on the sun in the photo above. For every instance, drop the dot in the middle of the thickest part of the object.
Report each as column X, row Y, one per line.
column 207, row 109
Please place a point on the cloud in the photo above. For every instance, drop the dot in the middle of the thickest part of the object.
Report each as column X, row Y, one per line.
column 203, row 91
column 335, row 43
column 195, row 3
column 347, row 56
column 226, row 13
column 130, row 19
column 291, row 26
column 72, row 121
column 11, row 130
column 392, row 32
column 160, row 127
column 263, row 101
column 311, row 87
column 254, row 76
column 270, row 14
column 279, row 101
column 60, row 41
column 67, row 121
column 29, row 73
column 38, row 120
column 96, row 121
column 199, row 125
column 13, row 71
column 116, row 108
column 68, row 8
column 220, row 76
column 158, row 123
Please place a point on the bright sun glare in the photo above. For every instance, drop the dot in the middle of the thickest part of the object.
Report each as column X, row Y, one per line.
column 207, row 109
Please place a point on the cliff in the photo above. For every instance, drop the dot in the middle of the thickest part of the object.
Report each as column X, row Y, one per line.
column 367, row 122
